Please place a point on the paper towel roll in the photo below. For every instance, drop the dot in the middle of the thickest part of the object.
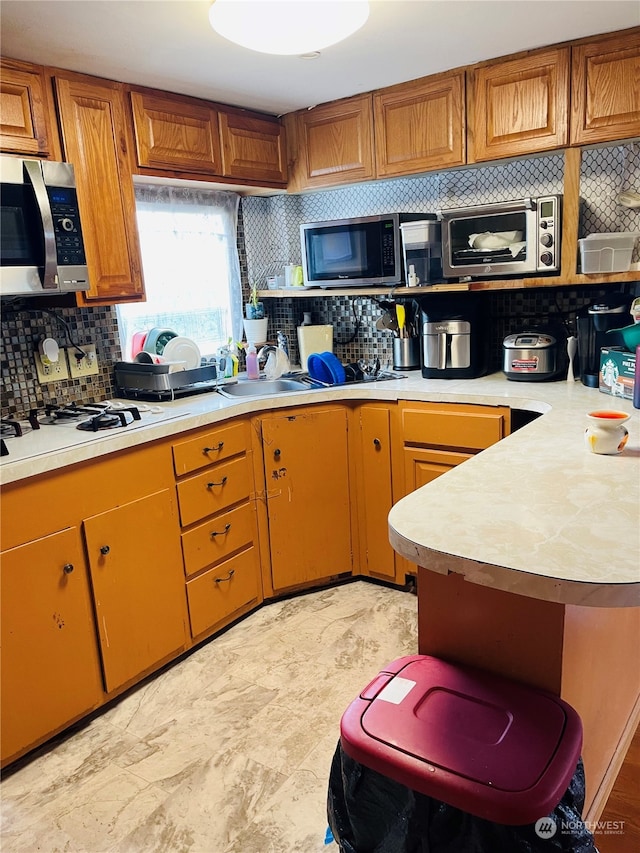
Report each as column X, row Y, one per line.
column 314, row 339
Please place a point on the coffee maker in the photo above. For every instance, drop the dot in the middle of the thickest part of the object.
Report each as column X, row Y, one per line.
column 454, row 339
column 593, row 322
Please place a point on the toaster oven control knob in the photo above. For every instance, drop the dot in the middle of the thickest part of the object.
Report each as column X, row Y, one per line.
column 66, row 224
column 544, row 224
column 546, row 258
column 546, row 240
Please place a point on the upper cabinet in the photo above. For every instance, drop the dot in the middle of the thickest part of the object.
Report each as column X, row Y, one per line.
column 25, row 126
column 419, row 126
column 193, row 137
column 175, row 133
column 253, row 147
column 518, row 106
column 606, row 89
column 93, row 128
column 332, row 144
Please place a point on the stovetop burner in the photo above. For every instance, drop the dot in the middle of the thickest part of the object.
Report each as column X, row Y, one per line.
column 110, row 419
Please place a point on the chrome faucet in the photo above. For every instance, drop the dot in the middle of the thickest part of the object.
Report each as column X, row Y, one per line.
column 277, row 357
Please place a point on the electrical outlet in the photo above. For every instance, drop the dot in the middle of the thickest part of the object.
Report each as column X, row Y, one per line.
column 86, row 365
column 51, row 371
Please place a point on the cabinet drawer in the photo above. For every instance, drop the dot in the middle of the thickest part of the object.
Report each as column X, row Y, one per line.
column 208, row 447
column 217, row 538
column 214, row 490
column 421, row 465
column 465, row 427
column 215, row 595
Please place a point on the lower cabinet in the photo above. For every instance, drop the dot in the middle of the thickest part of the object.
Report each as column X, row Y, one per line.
column 135, row 564
column 377, row 557
column 306, row 475
column 50, row 665
column 220, row 550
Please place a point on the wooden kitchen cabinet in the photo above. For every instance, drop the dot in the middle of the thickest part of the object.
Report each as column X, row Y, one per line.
column 253, row 147
column 177, row 133
column 605, row 88
column 377, row 557
column 333, row 144
column 93, row 128
column 420, row 126
column 518, row 106
column 307, row 481
column 187, row 135
column 138, row 586
column 26, row 126
column 50, row 665
column 219, row 536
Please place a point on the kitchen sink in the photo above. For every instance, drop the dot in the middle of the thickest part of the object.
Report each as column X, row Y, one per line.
column 299, row 382
column 262, row 387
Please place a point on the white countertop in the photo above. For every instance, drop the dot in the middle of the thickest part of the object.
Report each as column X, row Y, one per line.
column 536, row 513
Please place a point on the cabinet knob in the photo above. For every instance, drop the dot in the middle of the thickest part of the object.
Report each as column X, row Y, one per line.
column 377, row 443
column 227, row 528
column 228, row 577
column 221, row 483
column 67, row 568
column 276, row 453
column 215, row 449
column 105, row 549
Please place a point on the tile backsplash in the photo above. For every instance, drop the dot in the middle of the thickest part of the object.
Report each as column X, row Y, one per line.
column 269, row 238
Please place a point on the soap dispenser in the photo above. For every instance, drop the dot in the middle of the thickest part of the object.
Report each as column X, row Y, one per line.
column 252, row 362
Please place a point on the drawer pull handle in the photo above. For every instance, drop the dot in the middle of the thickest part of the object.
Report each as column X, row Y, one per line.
column 218, row 447
column 227, row 528
column 221, row 483
column 228, row 577
column 68, row 568
column 105, row 550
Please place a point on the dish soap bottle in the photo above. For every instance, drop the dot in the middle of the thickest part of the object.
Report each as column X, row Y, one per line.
column 252, row 362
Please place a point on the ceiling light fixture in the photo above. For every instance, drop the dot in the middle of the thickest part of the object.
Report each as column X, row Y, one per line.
column 287, row 27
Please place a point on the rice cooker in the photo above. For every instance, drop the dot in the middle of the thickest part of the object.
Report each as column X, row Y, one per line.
column 530, row 356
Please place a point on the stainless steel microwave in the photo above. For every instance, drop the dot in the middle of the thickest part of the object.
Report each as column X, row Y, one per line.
column 41, row 245
column 364, row 251
column 510, row 238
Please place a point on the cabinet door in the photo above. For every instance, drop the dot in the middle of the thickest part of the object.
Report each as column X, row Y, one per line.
column 138, row 584
column 307, row 480
column 93, row 129
column 336, row 143
column 376, row 500
column 177, row 134
column 253, row 147
column 24, row 120
column 606, row 89
column 519, row 106
column 421, row 466
column 420, row 125
column 50, row 665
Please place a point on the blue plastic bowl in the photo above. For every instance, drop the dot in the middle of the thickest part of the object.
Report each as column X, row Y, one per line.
column 325, row 367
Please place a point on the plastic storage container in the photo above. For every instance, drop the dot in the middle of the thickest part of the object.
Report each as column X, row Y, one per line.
column 607, row 252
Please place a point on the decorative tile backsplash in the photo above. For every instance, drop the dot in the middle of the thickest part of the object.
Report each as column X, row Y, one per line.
column 269, row 238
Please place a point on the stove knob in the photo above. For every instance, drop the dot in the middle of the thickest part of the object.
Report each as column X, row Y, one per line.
column 66, row 224
column 546, row 240
column 546, row 258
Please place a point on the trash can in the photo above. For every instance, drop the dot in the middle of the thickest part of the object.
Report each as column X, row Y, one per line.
column 443, row 758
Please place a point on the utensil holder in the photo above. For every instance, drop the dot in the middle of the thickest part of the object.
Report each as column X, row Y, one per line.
column 406, row 353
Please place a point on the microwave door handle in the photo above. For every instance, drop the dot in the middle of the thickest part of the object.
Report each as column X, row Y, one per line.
column 36, row 179
column 442, row 350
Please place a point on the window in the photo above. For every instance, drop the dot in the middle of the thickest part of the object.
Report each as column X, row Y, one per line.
column 191, row 267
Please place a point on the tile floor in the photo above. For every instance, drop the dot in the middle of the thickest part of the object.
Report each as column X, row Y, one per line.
column 228, row 751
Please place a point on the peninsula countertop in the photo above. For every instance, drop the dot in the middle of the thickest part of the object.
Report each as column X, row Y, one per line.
column 536, row 513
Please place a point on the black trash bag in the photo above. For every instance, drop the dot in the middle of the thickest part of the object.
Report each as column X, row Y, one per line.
column 370, row 813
